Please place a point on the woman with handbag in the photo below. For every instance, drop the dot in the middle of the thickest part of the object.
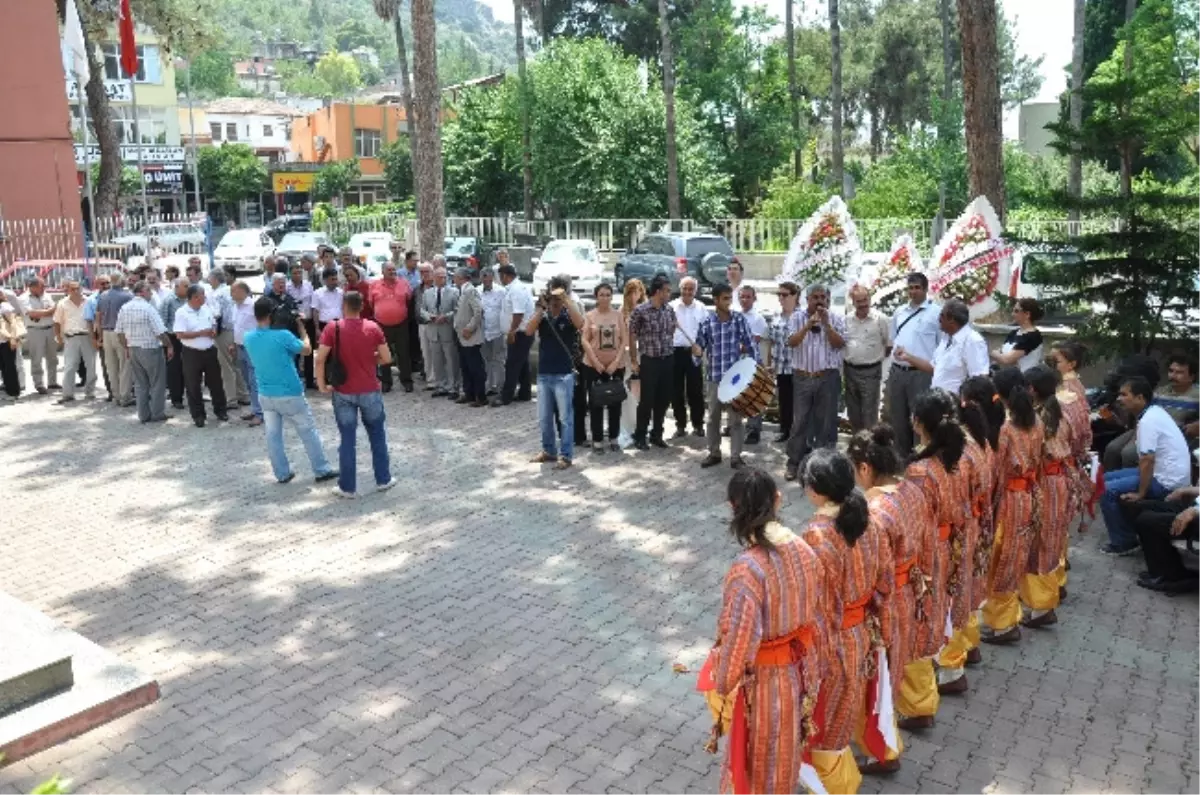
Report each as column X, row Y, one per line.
column 635, row 294
column 604, row 341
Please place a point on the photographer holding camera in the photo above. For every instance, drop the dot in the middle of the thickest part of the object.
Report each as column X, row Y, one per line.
column 557, row 321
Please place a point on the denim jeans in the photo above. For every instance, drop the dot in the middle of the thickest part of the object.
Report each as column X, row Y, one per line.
column 346, row 410
column 557, row 393
column 293, row 408
column 1123, row 481
column 247, row 368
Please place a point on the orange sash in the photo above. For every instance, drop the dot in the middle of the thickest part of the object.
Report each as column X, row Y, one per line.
column 944, row 532
column 787, row 649
column 902, row 571
column 1022, row 483
column 1053, row 467
column 855, row 613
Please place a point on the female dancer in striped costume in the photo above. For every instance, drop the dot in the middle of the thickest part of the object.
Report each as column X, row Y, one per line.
column 1068, row 357
column 1039, row 585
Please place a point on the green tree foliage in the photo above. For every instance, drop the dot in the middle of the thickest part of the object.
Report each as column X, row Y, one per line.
column 598, row 142
column 334, row 179
column 340, row 72
column 396, row 157
column 358, row 32
column 211, row 75
column 131, row 180
column 231, row 173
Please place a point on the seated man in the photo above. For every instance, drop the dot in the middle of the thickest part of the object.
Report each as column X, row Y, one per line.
column 1158, row 525
column 1163, row 464
column 1180, row 397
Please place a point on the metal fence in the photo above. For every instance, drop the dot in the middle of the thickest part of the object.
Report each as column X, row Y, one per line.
column 116, row 237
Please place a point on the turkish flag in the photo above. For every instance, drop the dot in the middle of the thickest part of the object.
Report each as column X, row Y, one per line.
column 129, row 59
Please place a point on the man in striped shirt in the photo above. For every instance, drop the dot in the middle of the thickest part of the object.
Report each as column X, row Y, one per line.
column 725, row 337
column 816, row 343
column 144, row 338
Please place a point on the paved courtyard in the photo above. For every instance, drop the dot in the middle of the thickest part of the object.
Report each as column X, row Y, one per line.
column 490, row 626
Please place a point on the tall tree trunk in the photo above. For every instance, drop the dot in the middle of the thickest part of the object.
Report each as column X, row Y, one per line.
column 668, row 68
column 1075, row 164
column 835, row 91
column 405, row 85
column 1127, row 144
column 427, row 160
column 981, row 101
column 789, row 26
column 944, row 128
column 523, row 88
column 108, row 185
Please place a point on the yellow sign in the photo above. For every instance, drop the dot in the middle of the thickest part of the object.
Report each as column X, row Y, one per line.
column 292, row 182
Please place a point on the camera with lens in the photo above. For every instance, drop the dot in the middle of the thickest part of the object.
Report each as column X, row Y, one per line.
column 557, row 287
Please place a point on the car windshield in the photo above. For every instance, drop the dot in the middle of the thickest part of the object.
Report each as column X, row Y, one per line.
column 240, row 237
column 301, row 240
column 563, row 251
column 460, row 246
column 370, row 241
column 699, row 246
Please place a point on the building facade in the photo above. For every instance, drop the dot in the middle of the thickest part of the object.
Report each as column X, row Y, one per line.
column 340, row 131
column 264, row 125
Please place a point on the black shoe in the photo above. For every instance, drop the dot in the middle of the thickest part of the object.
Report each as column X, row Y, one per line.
column 62, row 401
column 711, row 461
column 525, row 399
column 108, row 399
column 737, row 462
column 331, row 475
column 54, row 388
column 781, row 438
column 438, row 393
column 613, row 446
column 200, row 422
column 725, row 431
column 177, row 406
column 385, row 388
column 1120, row 552
column 698, row 431
column 291, row 476
column 752, row 437
column 41, row 390
column 457, row 398
column 659, row 443
column 408, row 387
column 498, row 402
column 492, row 393
column 159, row 419
column 641, row 445
column 223, row 417
column 679, row 433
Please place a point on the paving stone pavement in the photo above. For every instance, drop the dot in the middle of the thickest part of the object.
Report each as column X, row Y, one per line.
column 491, row 626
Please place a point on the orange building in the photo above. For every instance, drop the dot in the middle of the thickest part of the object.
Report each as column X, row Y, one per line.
column 342, row 130
column 37, row 158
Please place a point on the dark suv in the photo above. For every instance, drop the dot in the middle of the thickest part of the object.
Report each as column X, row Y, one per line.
column 278, row 228
column 472, row 252
column 701, row 255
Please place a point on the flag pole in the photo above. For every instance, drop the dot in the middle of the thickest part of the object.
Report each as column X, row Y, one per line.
column 137, row 126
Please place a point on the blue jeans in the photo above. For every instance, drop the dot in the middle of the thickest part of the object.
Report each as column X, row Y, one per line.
column 557, row 392
column 293, row 408
column 247, row 368
column 1124, row 481
column 346, row 410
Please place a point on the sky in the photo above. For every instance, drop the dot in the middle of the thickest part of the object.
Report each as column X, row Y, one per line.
column 1043, row 28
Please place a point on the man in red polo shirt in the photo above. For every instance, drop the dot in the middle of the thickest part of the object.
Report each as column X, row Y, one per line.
column 389, row 302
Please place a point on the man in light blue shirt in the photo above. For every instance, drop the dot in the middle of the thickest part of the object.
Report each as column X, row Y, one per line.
column 281, row 394
column 915, row 331
column 89, row 314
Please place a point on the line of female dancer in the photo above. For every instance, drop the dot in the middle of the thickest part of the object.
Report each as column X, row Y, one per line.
column 859, row 623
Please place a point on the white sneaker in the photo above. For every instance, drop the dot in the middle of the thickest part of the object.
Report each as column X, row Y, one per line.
column 349, row 495
column 386, row 486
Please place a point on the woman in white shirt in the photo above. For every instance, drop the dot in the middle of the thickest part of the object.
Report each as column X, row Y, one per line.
column 1023, row 345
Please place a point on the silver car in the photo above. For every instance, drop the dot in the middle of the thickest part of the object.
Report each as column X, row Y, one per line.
column 184, row 237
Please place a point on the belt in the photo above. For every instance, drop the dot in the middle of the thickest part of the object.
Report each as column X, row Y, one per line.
column 1021, row 483
column 855, row 613
column 814, row 373
column 1053, row 467
column 78, row 334
column 902, row 570
column 863, row 366
column 784, row 650
column 898, row 366
column 944, row 532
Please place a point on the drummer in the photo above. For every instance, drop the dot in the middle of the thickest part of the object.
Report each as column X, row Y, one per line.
column 724, row 337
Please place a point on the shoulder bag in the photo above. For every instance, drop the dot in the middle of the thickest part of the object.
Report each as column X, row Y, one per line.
column 335, row 371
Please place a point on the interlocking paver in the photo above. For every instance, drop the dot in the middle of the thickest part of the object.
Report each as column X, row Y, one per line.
column 490, row 626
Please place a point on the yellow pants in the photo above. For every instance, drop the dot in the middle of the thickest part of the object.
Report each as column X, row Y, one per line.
column 838, row 771
column 1039, row 591
column 861, row 725
column 1002, row 611
column 1061, row 572
column 918, row 694
column 954, row 653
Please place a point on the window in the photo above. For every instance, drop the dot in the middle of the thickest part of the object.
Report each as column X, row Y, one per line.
column 151, row 124
column 216, row 131
column 267, row 133
column 366, row 143
column 149, row 65
column 231, row 132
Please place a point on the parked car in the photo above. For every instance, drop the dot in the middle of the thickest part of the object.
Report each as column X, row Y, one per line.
column 578, row 259
column 56, row 273
column 180, row 236
column 702, row 255
column 286, row 224
column 372, row 249
column 472, row 252
column 244, row 250
column 296, row 244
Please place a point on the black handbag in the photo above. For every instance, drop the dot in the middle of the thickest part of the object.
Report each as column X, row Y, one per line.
column 607, row 393
column 335, row 371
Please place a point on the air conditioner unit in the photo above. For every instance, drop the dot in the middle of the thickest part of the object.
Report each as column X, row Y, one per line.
column 319, row 143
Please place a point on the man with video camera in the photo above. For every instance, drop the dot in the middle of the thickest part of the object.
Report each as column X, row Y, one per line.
column 556, row 321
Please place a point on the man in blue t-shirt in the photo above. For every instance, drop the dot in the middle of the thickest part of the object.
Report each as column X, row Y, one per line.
column 281, row 395
column 557, row 321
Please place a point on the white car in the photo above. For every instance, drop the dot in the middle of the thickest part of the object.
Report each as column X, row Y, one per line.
column 184, row 237
column 244, row 250
column 575, row 258
column 372, row 249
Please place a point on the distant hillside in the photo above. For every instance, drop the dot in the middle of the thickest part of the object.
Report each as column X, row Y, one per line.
column 471, row 42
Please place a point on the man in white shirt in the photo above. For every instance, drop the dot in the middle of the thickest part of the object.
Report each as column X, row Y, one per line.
column 1163, row 465
column 961, row 354
column 38, row 309
column 689, row 379
column 868, row 343
column 914, row 330
column 243, row 321
column 220, row 302
column 495, row 344
column 196, row 328
column 327, row 302
column 747, row 303
column 518, row 308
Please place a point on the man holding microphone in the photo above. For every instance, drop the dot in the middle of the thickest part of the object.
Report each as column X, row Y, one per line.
column 815, row 342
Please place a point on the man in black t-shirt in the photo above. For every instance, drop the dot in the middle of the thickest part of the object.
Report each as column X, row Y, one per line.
column 557, row 321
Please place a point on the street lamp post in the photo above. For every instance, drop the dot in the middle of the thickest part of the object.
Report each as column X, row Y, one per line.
column 192, row 125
